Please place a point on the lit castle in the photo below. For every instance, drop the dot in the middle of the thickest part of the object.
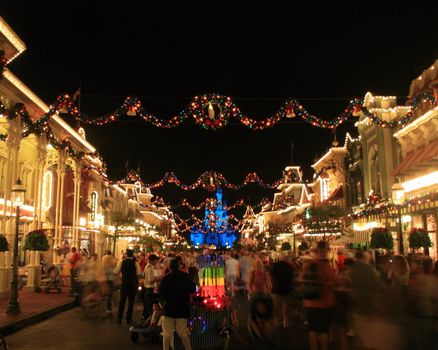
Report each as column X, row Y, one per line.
column 215, row 229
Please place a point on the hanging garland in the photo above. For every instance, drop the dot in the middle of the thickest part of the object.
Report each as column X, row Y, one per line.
column 385, row 206
column 3, row 62
column 211, row 180
column 38, row 128
column 212, row 202
column 213, row 111
column 186, row 225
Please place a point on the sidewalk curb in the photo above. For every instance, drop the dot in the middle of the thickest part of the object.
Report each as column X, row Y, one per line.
column 32, row 319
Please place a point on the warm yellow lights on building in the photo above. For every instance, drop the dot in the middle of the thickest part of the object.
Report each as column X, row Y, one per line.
column 421, row 182
column 47, row 190
column 324, row 188
column 364, row 226
column 82, row 222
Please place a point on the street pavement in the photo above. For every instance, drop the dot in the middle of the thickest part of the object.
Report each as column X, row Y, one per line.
column 74, row 330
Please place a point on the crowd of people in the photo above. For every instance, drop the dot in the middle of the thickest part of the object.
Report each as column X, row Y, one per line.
column 354, row 298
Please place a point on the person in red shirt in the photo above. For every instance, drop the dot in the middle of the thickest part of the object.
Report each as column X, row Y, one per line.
column 319, row 309
column 74, row 270
column 340, row 260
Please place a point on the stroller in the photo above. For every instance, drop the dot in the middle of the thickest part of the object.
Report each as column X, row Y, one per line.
column 150, row 328
column 261, row 323
column 51, row 280
column 93, row 301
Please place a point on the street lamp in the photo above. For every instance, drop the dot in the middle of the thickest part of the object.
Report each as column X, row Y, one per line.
column 398, row 196
column 17, row 199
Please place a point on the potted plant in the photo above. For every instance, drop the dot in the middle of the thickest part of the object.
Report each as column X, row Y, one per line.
column 4, row 245
column 285, row 246
column 419, row 238
column 303, row 246
column 381, row 238
column 36, row 240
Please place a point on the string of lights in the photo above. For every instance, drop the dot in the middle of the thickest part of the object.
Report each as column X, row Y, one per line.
column 3, row 61
column 385, row 206
column 211, row 180
column 40, row 127
column 214, row 111
column 186, row 225
column 211, row 202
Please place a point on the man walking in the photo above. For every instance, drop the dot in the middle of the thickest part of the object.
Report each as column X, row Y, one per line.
column 74, row 261
column 150, row 284
column 175, row 289
column 130, row 271
column 108, row 269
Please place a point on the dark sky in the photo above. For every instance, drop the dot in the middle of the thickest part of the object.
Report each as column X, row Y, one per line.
column 323, row 53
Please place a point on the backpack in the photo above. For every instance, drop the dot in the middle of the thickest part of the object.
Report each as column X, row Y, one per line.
column 312, row 283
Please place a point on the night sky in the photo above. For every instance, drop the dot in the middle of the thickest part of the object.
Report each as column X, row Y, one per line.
column 166, row 52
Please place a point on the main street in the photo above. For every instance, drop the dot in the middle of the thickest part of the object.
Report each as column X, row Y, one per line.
column 71, row 330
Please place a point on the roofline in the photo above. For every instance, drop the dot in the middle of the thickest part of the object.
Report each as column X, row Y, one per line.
column 331, row 151
column 45, row 108
column 13, row 38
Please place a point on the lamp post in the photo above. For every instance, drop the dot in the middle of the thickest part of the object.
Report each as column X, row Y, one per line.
column 398, row 196
column 17, row 199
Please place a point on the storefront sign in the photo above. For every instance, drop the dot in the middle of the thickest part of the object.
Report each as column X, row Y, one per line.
column 93, row 205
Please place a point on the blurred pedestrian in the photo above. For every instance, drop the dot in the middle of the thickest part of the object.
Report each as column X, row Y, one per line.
column 320, row 307
column 108, row 264
column 74, row 261
column 175, row 288
column 282, row 275
column 150, row 284
column 130, row 271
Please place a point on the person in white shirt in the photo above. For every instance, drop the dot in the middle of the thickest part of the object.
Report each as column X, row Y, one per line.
column 150, row 283
column 232, row 272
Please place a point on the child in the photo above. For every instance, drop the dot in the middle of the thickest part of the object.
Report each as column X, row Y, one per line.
column 154, row 321
column 261, row 324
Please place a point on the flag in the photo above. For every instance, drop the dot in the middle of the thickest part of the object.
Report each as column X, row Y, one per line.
column 77, row 94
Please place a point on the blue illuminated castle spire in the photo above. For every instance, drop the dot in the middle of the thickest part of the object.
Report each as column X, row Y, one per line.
column 215, row 228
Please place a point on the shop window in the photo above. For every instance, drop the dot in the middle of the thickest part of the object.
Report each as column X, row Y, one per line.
column 417, row 221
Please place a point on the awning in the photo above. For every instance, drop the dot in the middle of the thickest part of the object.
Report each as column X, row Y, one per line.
column 358, row 237
column 417, row 158
column 83, row 208
column 336, row 194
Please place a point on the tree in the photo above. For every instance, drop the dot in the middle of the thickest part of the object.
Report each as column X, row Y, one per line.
column 381, row 238
column 419, row 238
column 119, row 219
column 286, row 246
column 36, row 240
column 303, row 246
column 149, row 242
column 324, row 219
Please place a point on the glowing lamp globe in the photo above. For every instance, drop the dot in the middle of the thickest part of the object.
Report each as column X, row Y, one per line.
column 398, row 193
column 17, row 194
